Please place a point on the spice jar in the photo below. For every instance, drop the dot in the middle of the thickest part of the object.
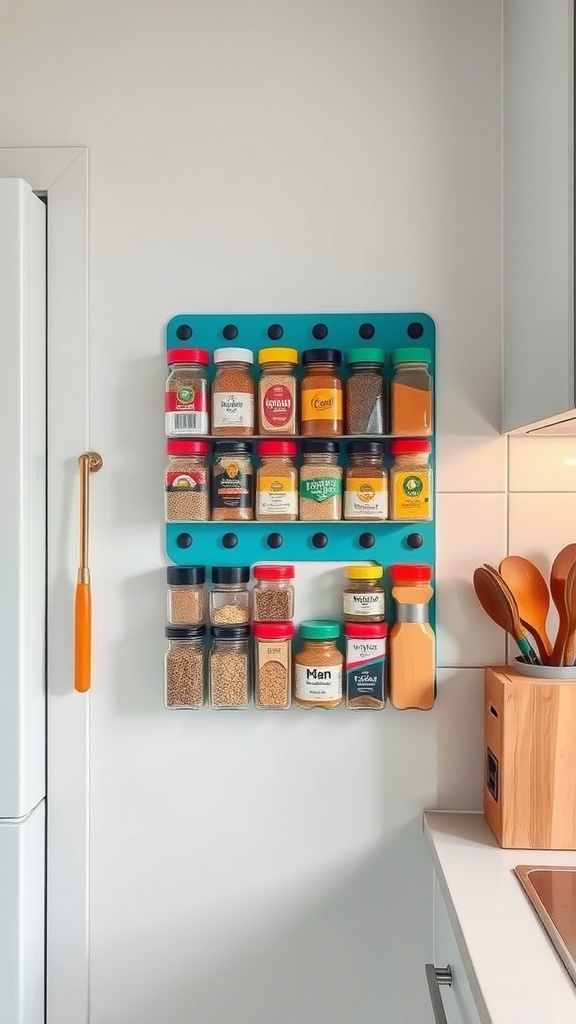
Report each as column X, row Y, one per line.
column 277, row 482
column 230, row 597
column 184, row 667
column 411, row 392
column 320, row 482
column 186, row 482
column 273, row 669
column 363, row 597
column 411, row 481
column 232, row 482
column 273, row 593
column 412, row 673
column 186, row 595
column 365, row 665
column 186, row 398
column 322, row 406
column 365, row 391
column 366, row 484
column 229, row 667
column 318, row 666
column 233, row 393
column 277, row 391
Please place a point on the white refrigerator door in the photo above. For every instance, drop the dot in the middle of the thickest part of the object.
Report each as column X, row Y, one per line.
column 22, row 859
column 23, row 504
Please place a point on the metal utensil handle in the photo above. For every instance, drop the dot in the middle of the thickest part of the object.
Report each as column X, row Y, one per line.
column 436, row 976
column 88, row 462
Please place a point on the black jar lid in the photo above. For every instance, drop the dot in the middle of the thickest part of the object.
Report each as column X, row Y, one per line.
column 185, row 632
column 365, row 448
column 230, row 632
column 322, row 355
column 233, row 447
column 184, row 576
column 315, row 447
column 230, row 574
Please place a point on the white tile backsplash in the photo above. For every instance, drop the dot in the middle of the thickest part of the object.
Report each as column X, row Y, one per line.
column 471, row 463
column 543, row 464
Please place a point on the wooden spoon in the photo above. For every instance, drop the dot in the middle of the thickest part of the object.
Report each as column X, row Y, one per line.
column 558, row 577
column 570, row 645
column 498, row 602
column 532, row 597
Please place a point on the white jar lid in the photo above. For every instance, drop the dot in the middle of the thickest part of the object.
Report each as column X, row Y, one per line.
column 233, row 355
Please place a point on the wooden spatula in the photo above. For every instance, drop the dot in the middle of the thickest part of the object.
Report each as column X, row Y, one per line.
column 498, row 602
column 561, row 566
column 532, row 597
column 570, row 645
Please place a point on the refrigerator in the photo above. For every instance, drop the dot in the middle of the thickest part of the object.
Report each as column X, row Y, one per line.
column 22, row 603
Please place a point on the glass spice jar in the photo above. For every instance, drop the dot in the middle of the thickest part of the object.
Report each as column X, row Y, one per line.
column 320, row 482
column 411, row 481
column 273, row 593
column 233, row 393
column 232, row 482
column 363, row 597
column 318, row 666
column 277, row 390
column 230, row 667
column 321, row 393
column 411, row 392
column 184, row 667
column 277, row 482
column 365, row 391
column 230, row 597
column 186, row 595
column 186, row 398
column 186, row 482
column 366, row 483
column 366, row 665
column 273, row 668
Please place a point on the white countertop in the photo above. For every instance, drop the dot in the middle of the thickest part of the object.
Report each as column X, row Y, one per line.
column 514, row 972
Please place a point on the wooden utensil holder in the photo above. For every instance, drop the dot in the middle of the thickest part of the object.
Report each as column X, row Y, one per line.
column 530, row 760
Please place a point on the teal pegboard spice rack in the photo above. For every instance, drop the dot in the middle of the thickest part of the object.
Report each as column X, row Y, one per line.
column 231, row 543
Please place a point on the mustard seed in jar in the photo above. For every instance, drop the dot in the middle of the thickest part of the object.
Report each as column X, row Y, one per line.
column 186, row 595
column 233, row 393
column 229, row 667
column 186, row 482
column 273, row 669
column 184, row 667
column 320, row 482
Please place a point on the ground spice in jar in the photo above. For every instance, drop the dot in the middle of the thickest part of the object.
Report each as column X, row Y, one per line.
column 411, row 481
column 229, row 667
column 411, row 392
column 186, row 482
column 365, row 665
column 365, row 390
column 277, row 390
column 273, row 593
column 273, row 670
column 233, row 393
column 321, row 393
column 186, row 595
column 186, row 398
column 232, row 482
column 320, row 482
column 318, row 666
column 184, row 667
column 277, row 482
column 366, row 485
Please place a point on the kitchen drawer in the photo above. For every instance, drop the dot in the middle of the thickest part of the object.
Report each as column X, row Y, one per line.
column 457, row 999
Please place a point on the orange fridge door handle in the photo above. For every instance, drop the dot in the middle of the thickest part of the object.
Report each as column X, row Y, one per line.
column 82, row 637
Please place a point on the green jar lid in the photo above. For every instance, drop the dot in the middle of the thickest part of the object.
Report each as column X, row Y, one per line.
column 320, row 629
column 366, row 355
column 411, row 355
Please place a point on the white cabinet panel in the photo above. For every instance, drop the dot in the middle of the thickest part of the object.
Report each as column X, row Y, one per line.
column 457, row 998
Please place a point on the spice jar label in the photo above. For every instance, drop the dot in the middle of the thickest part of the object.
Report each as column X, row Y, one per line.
column 231, row 487
column 186, row 411
column 315, row 683
column 365, row 662
column 363, row 604
column 232, row 409
column 411, row 495
column 366, row 497
column 186, row 482
column 321, row 488
column 276, row 495
column 322, row 404
column 277, row 405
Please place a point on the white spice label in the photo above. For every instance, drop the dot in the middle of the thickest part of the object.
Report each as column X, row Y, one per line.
column 318, row 682
column 276, row 496
column 363, row 604
column 366, row 498
column 232, row 409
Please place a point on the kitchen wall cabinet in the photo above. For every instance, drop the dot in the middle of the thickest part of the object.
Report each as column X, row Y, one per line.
column 538, row 216
column 457, row 998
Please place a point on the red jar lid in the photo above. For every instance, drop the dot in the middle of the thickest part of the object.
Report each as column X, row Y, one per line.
column 274, row 572
column 187, row 447
column 410, row 573
column 365, row 630
column 277, row 448
column 188, row 355
column 410, row 447
column 273, row 630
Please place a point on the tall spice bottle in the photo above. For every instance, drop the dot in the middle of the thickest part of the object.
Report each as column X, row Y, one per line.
column 412, row 671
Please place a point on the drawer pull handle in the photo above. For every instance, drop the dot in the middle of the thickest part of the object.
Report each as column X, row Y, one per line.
column 88, row 462
column 436, row 976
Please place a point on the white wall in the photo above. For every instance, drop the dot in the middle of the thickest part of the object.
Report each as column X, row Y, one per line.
column 280, row 155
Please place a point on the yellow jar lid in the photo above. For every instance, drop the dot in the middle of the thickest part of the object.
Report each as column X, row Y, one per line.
column 278, row 355
column 364, row 572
